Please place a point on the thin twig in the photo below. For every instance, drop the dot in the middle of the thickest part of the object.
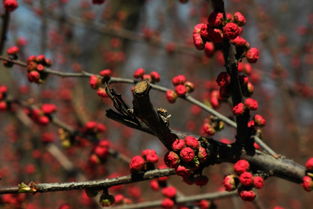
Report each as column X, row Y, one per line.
column 187, row 199
column 95, row 184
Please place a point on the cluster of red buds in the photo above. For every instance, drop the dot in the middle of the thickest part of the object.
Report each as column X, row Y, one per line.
column 182, row 87
column 10, row 5
column 3, row 95
column 96, row 81
column 36, row 66
column 243, row 180
column 211, row 125
column 145, row 161
column 100, row 152
column 308, row 178
column 188, row 158
column 210, row 36
column 42, row 115
column 153, row 77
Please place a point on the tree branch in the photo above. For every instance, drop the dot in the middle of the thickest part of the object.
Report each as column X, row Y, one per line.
column 96, row 184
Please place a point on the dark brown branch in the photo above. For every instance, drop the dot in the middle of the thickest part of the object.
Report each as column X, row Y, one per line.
column 4, row 29
column 144, row 110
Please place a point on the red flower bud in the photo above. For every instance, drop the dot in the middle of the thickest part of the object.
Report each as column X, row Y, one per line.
column 187, row 154
column 13, row 50
column 179, row 79
column 101, row 152
column 155, row 76
column 171, row 159
column 137, row 163
column 251, row 104
column 181, row 90
column 229, row 183
column 309, row 164
column 3, row 105
column 206, row 128
column 247, row 195
column 258, row 182
column 139, row 73
column 252, row 55
column 33, row 76
column 215, row 19
column 150, row 155
column 189, row 86
column 202, row 154
column 102, row 92
column 231, row 30
column 48, row 108
column 10, row 5
column 154, row 184
column 171, row 96
column 307, row 183
column 182, row 171
column 209, row 49
column 241, row 166
column 106, row 74
column 197, row 39
column 178, row 144
column 215, row 35
column 204, row 204
column 191, row 142
column 246, row 178
column 169, row 191
column 239, row 18
column 223, row 79
column 167, row 203
column 239, row 109
column 239, row 41
column 94, row 81
column 259, row 120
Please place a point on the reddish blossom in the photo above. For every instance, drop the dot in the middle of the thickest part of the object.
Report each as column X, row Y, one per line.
column 229, row 183
column 239, row 109
column 239, row 18
column 246, row 178
column 137, row 163
column 187, row 154
column 179, row 79
column 191, row 142
column 252, row 55
column 258, row 182
column 169, row 191
column 247, row 195
column 167, row 203
column 139, row 73
column 171, row 159
column 181, row 90
column 241, row 166
column 171, row 96
column 231, row 30
column 251, row 104
column 309, row 164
